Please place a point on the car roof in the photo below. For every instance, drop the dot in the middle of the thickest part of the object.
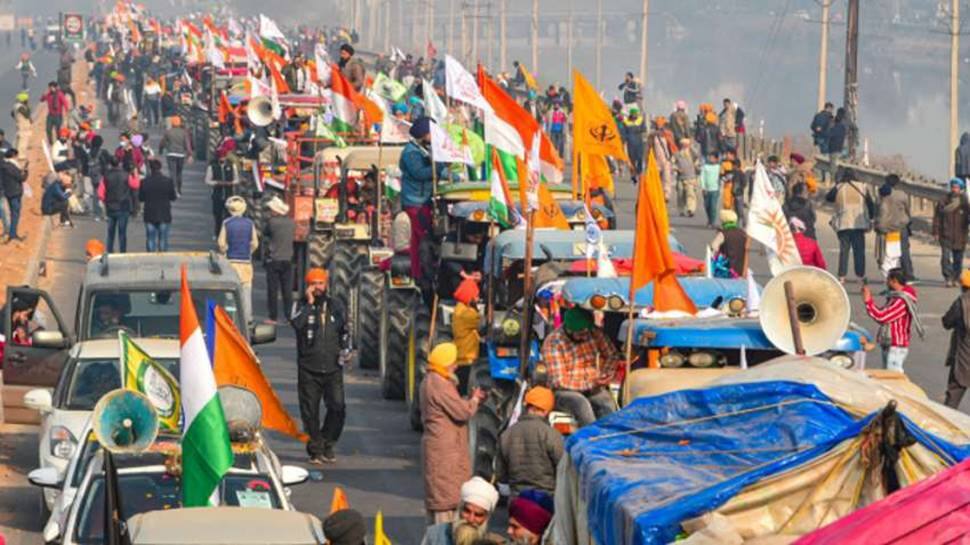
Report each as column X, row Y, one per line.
column 159, row 270
column 111, row 348
column 225, row 525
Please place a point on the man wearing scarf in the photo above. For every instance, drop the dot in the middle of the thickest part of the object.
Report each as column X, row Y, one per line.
column 445, row 415
column 951, row 219
column 478, row 501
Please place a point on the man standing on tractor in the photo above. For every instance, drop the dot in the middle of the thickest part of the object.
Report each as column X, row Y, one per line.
column 530, row 450
column 417, row 181
column 464, row 327
column 581, row 362
column 322, row 346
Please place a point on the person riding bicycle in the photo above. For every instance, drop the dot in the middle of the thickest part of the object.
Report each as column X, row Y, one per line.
column 581, row 363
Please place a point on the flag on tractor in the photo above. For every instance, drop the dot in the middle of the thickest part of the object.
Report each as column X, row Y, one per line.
column 653, row 261
column 145, row 375
column 206, row 451
column 500, row 204
column 594, row 129
column 272, row 37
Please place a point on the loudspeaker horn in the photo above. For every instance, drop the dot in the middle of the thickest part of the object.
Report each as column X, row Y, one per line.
column 125, row 421
column 821, row 304
column 260, row 111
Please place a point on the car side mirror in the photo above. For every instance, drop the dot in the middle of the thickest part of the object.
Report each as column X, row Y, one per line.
column 262, row 334
column 48, row 339
column 39, row 399
column 293, row 475
column 46, row 477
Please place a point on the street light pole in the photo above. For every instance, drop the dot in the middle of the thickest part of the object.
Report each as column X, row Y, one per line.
column 954, row 83
column 823, row 55
column 643, row 43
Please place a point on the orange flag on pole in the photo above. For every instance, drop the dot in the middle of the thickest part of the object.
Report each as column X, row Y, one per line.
column 652, row 258
column 594, row 129
column 339, row 501
column 234, row 363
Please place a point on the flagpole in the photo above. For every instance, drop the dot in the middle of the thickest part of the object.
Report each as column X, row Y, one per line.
column 527, row 294
column 380, row 189
column 631, row 329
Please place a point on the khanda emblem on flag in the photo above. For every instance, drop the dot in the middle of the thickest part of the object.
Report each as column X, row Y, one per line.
column 602, row 133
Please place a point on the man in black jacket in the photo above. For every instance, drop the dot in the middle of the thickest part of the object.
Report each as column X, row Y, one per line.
column 117, row 204
column 157, row 192
column 323, row 346
column 13, row 178
column 278, row 242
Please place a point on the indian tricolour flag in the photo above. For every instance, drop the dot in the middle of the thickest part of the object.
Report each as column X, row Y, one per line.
column 206, row 451
column 271, row 36
column 500, row 204
column 344, row 107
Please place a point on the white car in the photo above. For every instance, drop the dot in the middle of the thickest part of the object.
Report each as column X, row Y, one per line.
column 145, row 484
column 91, row 371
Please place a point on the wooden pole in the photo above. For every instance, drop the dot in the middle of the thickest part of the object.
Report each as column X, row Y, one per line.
column 954, row 84
column 796, row 330
column 503, row 47
column 851, row 97
column 527, row 301
column 380, row 184
column 643, row 42
column 823, row 55
column 628, row 360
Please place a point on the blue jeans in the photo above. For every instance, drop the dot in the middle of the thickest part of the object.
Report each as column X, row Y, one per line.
column 951, row 263
column 156, row 236
column 3, row 219
column 118, row 221
column 712, row 200
column 14, row 204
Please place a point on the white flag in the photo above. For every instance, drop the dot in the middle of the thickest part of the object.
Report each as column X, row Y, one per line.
column 768, row 225
column 434, row 107
column 444, row 149
column 257, row 88
column 322, row 60
column 394, row 130
column 460, row 85
column 604, row 265
column 212, row 52
column 269, row 30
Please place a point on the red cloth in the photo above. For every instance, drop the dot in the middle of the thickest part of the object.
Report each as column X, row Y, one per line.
column 935, row 510
column 684, row 265
column 420, row 217
column 809, row 250
column 56, row 102
column 896, row 315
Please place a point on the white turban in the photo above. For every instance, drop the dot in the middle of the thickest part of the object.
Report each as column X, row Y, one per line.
column 480, row 493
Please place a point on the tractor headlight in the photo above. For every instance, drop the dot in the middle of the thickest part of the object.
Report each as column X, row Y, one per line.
column 736, row 306
column 843, row 361
column 511, row 327
column 597, row 302
column 702, row 359
column 672, row 360
column 615, row 302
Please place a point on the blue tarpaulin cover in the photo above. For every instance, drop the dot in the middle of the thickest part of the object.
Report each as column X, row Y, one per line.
column 665, row 459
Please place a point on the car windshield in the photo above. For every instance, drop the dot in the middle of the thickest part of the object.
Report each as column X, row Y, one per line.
column 92, row 378
column 143, row 492
column 149, row 313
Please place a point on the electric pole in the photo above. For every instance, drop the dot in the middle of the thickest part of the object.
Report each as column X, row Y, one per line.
column 475, row 24
column 503, row 49
column 358, row 16
column 464, row 33
column 375, row 6
column 451, row 27
column 430, row 30
column 954, row 82
column 569, row 44
column 599, row 44
column 643, row 44
column 851, row 97
column 534, row 27
column 387, row 25
column 823, row 55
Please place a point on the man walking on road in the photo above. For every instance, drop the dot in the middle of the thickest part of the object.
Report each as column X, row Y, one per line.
column 896, row 319
column 176, row 146
column 951, row 219
column 322, row 348
column 477, row 500
column 57, row 108
column 957, row 320
column 892, row 224
column 22, row 120
column 238, row 239
column 13, row 178
column 115, row 192
column 279, row 234
column 157, row 193
column 851, row 221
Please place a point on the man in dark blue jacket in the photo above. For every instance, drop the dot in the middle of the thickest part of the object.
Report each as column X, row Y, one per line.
column 417, row 186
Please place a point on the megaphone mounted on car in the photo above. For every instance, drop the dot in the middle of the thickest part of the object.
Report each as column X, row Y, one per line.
column 125, row 421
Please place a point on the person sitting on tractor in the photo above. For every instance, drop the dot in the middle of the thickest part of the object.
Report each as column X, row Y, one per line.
column 464, row 328
column 581, row 362
column 530, row 450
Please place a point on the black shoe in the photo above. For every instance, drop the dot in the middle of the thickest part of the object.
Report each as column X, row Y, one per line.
column 317, row 460
column 328, row 455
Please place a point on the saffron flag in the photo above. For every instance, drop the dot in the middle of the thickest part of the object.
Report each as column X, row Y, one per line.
column 234, row 363
column 500, row 200
column 594, row 129
column 768, row 225
column 652, row 258
column 549, row 214
column 206, row 451
column 145, row 375
column 596, row 174
column 339, row 500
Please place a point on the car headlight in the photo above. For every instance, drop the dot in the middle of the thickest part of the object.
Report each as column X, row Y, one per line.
column 844, row 361
column 62, row 442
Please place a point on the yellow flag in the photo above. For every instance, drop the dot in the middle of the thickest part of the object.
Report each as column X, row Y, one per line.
column 594, row 129
column 530, row 80
column 380, row 538
column 145, row 375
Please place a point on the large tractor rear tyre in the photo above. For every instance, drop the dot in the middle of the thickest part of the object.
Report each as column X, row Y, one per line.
column 369, row 301
column 418, row 350
column 488, row 422
column 396, row 312
column 319, row 249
